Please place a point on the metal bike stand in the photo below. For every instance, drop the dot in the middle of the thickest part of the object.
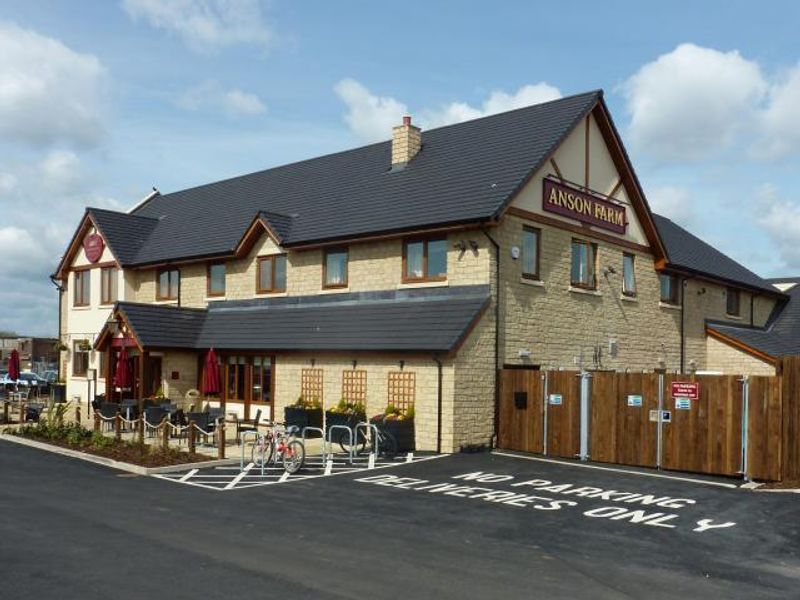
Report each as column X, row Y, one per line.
column 322, row 435
column 367, row 426
column 329, row 440
column 255, row 435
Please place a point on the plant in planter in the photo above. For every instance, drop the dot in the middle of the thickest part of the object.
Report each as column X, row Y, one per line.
column 306, row 412
column 345, row 413
column 60, row 346
column 400, row 423
column 84, row 345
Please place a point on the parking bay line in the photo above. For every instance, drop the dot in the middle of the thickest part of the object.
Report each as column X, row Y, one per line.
column 613, row 470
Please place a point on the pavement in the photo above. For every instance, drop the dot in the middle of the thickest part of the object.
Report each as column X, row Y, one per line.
column 463, row 526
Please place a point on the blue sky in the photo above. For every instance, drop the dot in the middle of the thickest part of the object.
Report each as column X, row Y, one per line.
column 100, row 100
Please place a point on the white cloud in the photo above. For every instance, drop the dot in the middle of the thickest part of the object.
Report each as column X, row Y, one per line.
column 7, row 182
column 780, row 219
column 205, row 25
column 780, row 120
column 210, row 96
column 21, row 251
column 672, row 202
column 691, row 102
column 61, row 172
column 372, row 117
column 48, row 92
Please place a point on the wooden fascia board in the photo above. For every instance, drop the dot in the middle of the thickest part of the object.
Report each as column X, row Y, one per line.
column 74, row 246
column 252, row 234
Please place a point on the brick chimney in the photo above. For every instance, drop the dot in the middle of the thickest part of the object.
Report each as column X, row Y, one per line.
column 406, row 142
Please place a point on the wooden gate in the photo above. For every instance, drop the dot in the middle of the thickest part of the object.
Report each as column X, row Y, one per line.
column 621, row 429
column 563, row 413
column 521, row 420
column 765, row 417
column 706, row 435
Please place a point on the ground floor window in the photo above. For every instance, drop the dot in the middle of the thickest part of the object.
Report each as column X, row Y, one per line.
column 262, row 379
column 402, row 389
column 80, row 358
column 248, row 378
column 354, row 386
column 311, row 385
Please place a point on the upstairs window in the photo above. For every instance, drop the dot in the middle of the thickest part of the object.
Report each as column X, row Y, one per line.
column 271, row 274
column 584, row 262
column 215, row 280
column 108, row 285
column 83, row 287
column 530, row 252
column 733, row 302
column 670, row 289
column 425, row 260
column 168, row 284
column 628, row 274
column 334, row 273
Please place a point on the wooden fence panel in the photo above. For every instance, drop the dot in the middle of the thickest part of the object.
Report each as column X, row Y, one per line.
column 521, row 420
column 790, row 400
column 605, row 411
column 564, row 420
column 764, row 429
column 706, row 437
column 637, row 435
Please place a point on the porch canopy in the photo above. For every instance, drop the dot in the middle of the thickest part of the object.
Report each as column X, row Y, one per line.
column 433, row 320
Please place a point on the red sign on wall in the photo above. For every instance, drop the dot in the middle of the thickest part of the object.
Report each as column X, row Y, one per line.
column 583, row 206
column 686, row 389
column 93, row 246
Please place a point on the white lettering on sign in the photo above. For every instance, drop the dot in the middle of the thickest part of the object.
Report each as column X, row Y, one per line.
column 634, row 400
column 520, row 497
column 683, row 404
column 556, row 399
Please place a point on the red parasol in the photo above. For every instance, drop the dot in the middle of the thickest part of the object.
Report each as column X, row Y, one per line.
column 211, row 384
column 122, row 375
column 13, row 365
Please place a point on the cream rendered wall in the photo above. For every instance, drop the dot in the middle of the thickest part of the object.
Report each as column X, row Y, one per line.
column 729, row 360
column 85, row 322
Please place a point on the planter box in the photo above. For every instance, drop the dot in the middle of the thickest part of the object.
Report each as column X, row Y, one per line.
column 303, row 417
column 350, row 421
column 59, row 392
column 403, row 432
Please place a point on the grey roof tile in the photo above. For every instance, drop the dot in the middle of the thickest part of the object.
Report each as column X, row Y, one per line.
column 124, row 233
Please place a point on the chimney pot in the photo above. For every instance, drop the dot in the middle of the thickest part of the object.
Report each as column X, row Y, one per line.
column 407, row 120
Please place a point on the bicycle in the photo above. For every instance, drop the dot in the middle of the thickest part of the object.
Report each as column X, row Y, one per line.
column 386, row 442
column 279, row 442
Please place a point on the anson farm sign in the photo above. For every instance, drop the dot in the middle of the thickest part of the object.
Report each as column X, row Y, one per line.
column 575, row 204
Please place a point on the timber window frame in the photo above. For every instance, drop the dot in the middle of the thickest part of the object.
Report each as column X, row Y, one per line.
column 276, row 265
column 327, row 271
column 211, row 291
column 82, row 282
column 80, row 359
column 170, row 288
column 531, row 252
column 423, row 259
column 108, row 285
column 629, row 268
column 583, row 275
column 733, row 302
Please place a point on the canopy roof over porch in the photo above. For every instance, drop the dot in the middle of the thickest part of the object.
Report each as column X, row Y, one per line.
column 425, row 320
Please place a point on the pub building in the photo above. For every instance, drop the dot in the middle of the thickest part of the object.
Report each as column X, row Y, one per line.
column 411, row 272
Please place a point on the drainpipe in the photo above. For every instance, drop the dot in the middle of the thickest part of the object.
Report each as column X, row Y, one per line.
column 683, row 323
column 438, row 405
column 496, row 333
column 60, row 289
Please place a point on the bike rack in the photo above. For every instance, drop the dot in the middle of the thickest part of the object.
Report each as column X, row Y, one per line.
column 255, row 435
column 329, row 441
column 367, row 426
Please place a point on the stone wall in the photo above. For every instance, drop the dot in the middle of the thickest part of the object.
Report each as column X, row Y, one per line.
column 729, row 360
column 185, row 363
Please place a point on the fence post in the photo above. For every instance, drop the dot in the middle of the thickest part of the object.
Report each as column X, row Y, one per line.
column 191, row 437
column 78, row 415
column 586, row 380
column 5, row 411
column 745, row 421
column 659, row 421
column 165, row 434
column 140, row 428
column 118, row 426
column 96, row 422
column 221, row 440
column 544, row 419
column 22, row 412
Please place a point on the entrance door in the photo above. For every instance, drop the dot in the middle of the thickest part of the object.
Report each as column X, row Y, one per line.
column 152, row 375
column 520, row 425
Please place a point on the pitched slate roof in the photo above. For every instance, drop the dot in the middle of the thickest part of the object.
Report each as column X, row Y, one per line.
column 420, row 321
column 123, row 232
column 686, row 251
column 780, row 336
column 464, row 173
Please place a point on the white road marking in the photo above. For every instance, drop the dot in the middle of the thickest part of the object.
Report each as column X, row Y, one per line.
column 239, row 477
column 188, row 475
column 284, row 477
column 613, row 470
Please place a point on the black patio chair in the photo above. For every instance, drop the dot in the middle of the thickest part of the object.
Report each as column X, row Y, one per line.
column 243, row 425
column 108, row 410
column 204, row 421
column 154, row 415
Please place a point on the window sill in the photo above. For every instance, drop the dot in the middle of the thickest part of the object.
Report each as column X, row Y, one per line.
column 733, row 317
column 533, row 282
column 577, row 290
column 165, row 301
column 627, row 298
column 216, row 298
column 422, row 284
column 335, row 290
column 669, row 306
column 271, row 294
column 84, row 307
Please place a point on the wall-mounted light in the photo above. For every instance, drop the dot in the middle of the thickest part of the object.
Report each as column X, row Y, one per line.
column 460, row 245
column 313, row 362
column 402, row 364
column 473, row 245
column 355, row 364
column 524, row 353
